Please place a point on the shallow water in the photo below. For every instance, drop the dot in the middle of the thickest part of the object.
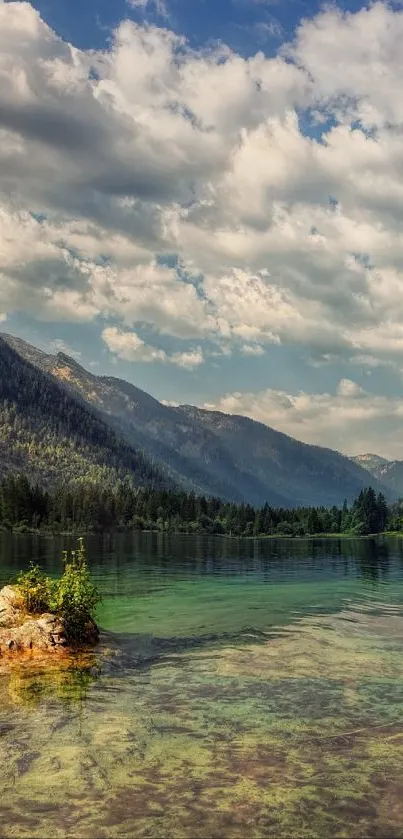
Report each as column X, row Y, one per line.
column 241, row 689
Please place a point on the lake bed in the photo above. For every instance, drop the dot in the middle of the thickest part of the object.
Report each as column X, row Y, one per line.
column 241, row 688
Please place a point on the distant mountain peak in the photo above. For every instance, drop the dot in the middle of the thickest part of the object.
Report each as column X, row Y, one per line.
column 67, row 361
column 369, row 455
column 388, row 472
column 369, row 461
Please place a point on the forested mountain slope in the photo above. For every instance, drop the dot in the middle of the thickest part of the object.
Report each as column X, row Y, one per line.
column 193, row 456
column 209, row 452
column 310, row 474
column 52, row 437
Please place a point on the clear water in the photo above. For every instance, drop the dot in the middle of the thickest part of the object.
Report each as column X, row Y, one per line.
column 240, row 689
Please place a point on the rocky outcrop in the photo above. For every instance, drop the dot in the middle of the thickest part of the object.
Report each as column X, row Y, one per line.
column 20, row 631
column 10, row 607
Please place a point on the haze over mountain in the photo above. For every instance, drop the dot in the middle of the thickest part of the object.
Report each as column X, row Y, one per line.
column 209, row 452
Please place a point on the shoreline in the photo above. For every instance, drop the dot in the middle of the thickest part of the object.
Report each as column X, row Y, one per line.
column 52, row 534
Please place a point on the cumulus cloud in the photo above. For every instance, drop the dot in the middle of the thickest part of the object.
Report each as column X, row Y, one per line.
column 347, row 421
column 157, row 184
column 130, row 347
column 252, row 349
column 348, row 388
column 188, row 360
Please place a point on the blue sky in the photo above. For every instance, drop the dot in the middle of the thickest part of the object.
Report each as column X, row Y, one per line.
column 239, row 23
column 205, row 199
column 245, row 25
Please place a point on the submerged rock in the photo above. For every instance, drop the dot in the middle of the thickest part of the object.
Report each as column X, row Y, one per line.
column 20, row 631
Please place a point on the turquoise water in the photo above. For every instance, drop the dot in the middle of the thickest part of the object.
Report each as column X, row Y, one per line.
column 241, row 688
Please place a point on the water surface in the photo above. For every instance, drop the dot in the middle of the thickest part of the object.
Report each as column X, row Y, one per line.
column 241, row 688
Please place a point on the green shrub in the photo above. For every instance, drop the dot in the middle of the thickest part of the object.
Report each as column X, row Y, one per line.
column 76, row 596
column 73, row 598
column 37, row 591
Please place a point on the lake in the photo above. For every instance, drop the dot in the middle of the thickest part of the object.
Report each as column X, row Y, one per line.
column 240, row 689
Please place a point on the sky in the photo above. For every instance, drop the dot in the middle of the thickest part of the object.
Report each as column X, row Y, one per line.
column 206, row 199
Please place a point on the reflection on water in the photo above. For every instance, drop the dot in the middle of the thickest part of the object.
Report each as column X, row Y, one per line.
column 239, row 689
column 67, row 678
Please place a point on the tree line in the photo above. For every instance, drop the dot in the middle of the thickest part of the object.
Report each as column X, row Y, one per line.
column 92, row 507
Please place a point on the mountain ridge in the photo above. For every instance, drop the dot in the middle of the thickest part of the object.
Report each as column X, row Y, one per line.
column 52, row 438
column 208, row 452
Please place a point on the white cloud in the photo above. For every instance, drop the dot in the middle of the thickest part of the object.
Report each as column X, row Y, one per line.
column 348, row 421
column 159, row 6
column 110, row 161
column 355, row 61
column 252, row 349
column 169, row 403
column 349, row 389
column 130, row 347
column 187, row 360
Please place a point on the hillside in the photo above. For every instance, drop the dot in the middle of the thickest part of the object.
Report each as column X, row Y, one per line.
column 191, row 458
column 52, row 437
column 310, row 474
column 209, row 452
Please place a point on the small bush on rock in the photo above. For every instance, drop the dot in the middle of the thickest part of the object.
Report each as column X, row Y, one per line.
column 73, row 598
column 37, row 590
column 76, row 596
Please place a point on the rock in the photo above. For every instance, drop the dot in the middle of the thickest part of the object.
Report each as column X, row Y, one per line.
column 10, row 607
column 19, row 631
column 45, row 632
column 11, row 596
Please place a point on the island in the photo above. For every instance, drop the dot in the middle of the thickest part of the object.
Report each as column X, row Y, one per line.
column 38, row 613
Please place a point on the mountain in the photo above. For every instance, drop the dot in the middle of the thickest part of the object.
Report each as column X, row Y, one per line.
column 309, row 474
column 143, row 421
column 370, row 462
column 388, row 472
column 208, row 452
column 52, row 437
